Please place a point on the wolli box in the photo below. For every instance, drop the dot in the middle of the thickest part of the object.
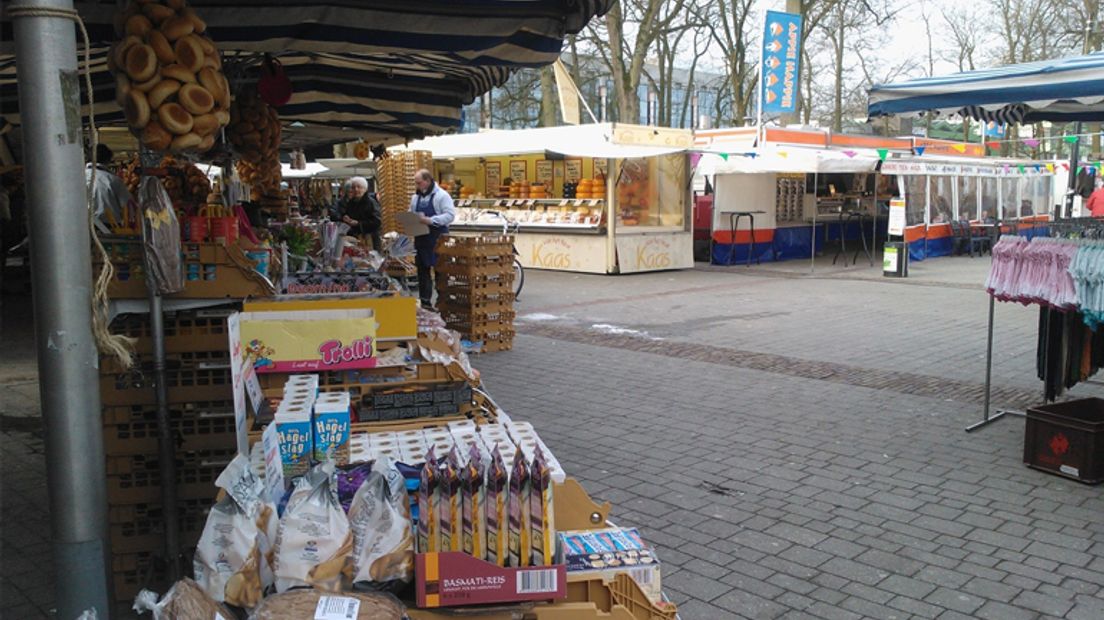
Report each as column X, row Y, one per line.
column 456, row 578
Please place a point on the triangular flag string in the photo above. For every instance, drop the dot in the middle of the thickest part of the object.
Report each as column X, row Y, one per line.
column 920, row 150
column 882, row 154
column 961, row 148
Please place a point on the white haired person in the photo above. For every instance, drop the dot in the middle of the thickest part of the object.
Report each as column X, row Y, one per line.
column 362, row 212
column 435, row 209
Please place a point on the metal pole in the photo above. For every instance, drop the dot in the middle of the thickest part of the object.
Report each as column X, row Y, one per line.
column 1071, row 185
column 812, row 249
column 166, row 446
column 989, row 357
column 49, row 104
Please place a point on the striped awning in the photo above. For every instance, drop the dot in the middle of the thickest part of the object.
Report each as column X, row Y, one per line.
column 1064, row 90
column 376, row 70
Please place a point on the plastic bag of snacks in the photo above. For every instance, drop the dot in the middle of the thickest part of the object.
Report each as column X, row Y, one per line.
column 232, row 559
column 314, row 540
column 161, row 237
column 168, row 77
column 185, row 599
column 383, row 539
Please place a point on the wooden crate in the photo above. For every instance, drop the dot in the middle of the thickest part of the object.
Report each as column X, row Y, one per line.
column 186, row 331
column 211, row 271
column 141, row 527
column 134, row 479
column 132, row 430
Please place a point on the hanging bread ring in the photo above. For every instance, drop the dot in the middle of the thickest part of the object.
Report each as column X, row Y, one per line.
column 119, row 55
column 186, row 142
column 223, row 117
column 161, row 92
column 209, row 79
column 177, row 27
column 122, row 88
column 138, row 25
column 137, row 109
column 176, row 5
column 141, row 62
column 195, row 99
column 198, row 24
column 161, row 46
column 148, row 85
column 208, row 46
column 189, row 53
column 178, row 73
column 205, row 124
column 207, row 143
column 157, row 12
column 155, row 137
column 175, row 118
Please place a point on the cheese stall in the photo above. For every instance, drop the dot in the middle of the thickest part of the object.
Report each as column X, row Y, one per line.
column 604, row 198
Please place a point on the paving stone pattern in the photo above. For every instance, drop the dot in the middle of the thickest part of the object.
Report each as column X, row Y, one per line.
column 767, row 435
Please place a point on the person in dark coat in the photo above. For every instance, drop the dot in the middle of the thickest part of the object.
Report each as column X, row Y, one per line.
column 362, row 212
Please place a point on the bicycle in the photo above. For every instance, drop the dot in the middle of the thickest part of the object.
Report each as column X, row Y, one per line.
column 512, row 228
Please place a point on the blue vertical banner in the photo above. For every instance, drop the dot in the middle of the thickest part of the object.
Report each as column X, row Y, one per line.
column 781, row 62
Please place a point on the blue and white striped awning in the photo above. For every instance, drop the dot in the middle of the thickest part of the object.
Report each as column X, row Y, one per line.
column 398, row 69
column 1064, row 90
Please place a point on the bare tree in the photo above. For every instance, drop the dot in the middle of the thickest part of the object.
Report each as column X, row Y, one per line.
column 730, row 25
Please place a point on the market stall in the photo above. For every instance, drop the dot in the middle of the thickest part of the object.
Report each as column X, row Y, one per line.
column 592, row 198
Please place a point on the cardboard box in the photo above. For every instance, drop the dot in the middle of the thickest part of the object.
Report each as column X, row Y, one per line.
column 309, row 340
column 331, row 427
column 293, row 431
column 457, row 579
column 604, row 553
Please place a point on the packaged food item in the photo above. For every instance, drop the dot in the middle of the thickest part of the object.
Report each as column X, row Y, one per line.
column 604, row 553
column 383, row 540
column 429, row 535
column 314, row 539
column 521, row 549
column 185, row 599
column 540, row 511
column 473, row 491
column 498, row 514
column 232, row 559
column 331, row 427
column 293, row 429
column 452, row 504
column 301, row 383
column 349, row 481
column 308, row 604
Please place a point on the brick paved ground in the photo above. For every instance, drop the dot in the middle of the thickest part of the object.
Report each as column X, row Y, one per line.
column 770, row 435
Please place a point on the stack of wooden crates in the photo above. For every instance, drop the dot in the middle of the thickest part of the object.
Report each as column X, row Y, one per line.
column 475, row 277
column 201, row 408
column 395, row 175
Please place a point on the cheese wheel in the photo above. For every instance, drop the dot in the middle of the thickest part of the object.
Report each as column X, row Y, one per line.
column 178, row 73
column 155, row 137
column 157, row 13
column 161, row 46
column 138, row 25
column 175, row 118
column 186, row 142
column 189, row 53
column 122, row 89
column 195, row 99
column 141, row 62
column 148, row 85
column 205, row 124
column 164, row 89
column 177, row 27
column 137, row 109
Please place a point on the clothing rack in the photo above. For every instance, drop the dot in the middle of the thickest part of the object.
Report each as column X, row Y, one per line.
column 1081, row 227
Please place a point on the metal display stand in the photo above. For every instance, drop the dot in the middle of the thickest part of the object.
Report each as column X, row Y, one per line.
column 1000, row 413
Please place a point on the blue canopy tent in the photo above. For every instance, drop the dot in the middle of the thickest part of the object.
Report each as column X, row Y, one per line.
column 1063, row 90
column 382, row 71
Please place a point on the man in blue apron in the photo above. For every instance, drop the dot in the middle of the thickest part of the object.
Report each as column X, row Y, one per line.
column 435, row 209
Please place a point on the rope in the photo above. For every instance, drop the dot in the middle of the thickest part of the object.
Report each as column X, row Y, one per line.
column 118, row 346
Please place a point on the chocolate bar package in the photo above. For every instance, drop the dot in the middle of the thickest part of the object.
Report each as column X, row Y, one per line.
column 497, row 502
column 543, row 529
column 429, row 496
column 472, row 486
column 521, row 549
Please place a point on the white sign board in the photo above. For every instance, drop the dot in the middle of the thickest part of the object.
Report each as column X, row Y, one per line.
column 237, row 381
column 897, row 217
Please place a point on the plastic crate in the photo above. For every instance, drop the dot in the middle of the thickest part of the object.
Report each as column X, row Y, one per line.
column 211, row 271
column 132, row 430
column 141, row 527
column 187, row 331
column 620, row 599
column 1067, row 439
column 135, row 479
column 131, row 572
column 135, row 387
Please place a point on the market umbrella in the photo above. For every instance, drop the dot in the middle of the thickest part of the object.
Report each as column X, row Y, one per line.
column 374, row 70
column 1062, row 90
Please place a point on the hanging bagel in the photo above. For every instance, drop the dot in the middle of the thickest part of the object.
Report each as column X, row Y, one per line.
column 148, row 85
column 156, row 137
column 175, row 118
column 136, row 109
column 157, row 13
column 178, row 73
column 161, row 92
column 189, row 53
column 186, row 142
column 138, row 25
column 196, row 99
column 205, row 124
column 141, row 62
column 122, row 88
column 177, row 27
column 161, row 47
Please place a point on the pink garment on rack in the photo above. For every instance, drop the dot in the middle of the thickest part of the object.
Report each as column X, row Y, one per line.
column 1033, row 272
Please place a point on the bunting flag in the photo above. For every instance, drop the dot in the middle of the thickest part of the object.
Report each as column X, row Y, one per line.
column 961, row 148
column 1071, row 139
column 850, row 154
column 1038, row 168
column 783, row 154
column 1079, row 169
column 1050, row 167
column 1021, row 169
column 1007, row 168
column 1032, row 142
column 882, row 154
column 751, row 155
column 723, row 156
column 1065, row 166
column 919, row 150
column 993, row 145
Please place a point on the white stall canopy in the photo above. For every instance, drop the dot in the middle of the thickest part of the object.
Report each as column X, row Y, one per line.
column 601, row 141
